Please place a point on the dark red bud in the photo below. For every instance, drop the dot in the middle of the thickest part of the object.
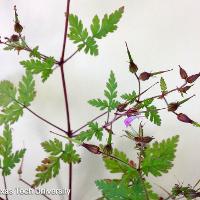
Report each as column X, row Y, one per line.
column 184, row 89
column 184, row 118
column 144, row 76
column 92, row 148
column 193, row 78
column 145, row 139
column 131, row 112
column 121, row 107
column 183, row 73
column 133, row 67
column 18, row 27
column 173, row 107
column 132, row 163
column 14, row 38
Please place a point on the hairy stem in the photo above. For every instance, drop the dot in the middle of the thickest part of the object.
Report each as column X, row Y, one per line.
column 61, row 64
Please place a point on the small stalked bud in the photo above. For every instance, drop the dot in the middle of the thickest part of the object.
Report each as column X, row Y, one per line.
column 173, row 106
column 183, row 73
column 132, row 163
column 14, row 38
column 133, row 67
column 92, row 148
column 19, row 171
column 46, row 161
column 146, row 139
column 184, row 89
column 41, row 168
column 121, row 107
column 108, row 149
column 144, row 76
column 184, row 118
column 193, row 78
column 18, row 27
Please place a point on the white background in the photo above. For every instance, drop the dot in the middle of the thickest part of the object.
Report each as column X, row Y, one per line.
column 160, row 34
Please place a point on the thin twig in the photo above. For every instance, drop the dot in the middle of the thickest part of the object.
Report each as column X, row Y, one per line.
column 5, row 186
column 61, row 64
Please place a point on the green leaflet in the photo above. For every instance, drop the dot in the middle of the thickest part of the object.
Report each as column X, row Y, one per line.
column 115, row 166
column 27, row 89
column 36, row 66
column 50, row 166
column 107, row 25
column 7, row 93
column 158, row 157
column 79, row 34
column 115, row 190
column 163, row 85
column 94, row 130
column 10, row 159
column 110, row 93
column 12, row 109
column 129, row 96
column 151, row 112
column 35, row 53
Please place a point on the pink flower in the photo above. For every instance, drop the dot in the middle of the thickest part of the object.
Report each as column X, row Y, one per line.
column 129, row 120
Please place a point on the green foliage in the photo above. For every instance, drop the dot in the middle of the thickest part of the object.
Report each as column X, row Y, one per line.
column 11, row 113
column 18, row 45
column 110, row 93
column 158, row 157
column 35, row 53
column 48, row 171
column 12, row 108
column 27, row 89
column 163, row 85
column 151, row 112
column 10, row 159
column 50, row 166
column 79, row 35
column 69, row 155
column 114, row 190
column 94, row 130
column 7, row 93
column 115, row 166
column 107, row 25
column 54, row 147
column 36, row 66
column 129, row 96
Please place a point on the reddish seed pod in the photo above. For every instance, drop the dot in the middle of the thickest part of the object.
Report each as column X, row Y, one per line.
column 183, row 73
column 173, row 107
column 184, row 89
column 184, row 118
column 14, row 38
column 18, row 27
column 193, row 78
column 146, row 139
column 132, row 163
column 92, row 148
column 144, row 76
column 121, row 107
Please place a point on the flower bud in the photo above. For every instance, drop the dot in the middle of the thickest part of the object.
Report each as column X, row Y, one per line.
column 41, row 168
column 18, row 27
column 184, row 89
column 144, row 76
column 183, row 73
column 131, row 111
column 108, row 149
column 14, row 38
column 121, row 107
column 46, row 161
column 146, row 139
column 133, row 67
column 173, row 107
column 184, row 118
column 132, row 163
column 193, row 78
column 92, row 148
